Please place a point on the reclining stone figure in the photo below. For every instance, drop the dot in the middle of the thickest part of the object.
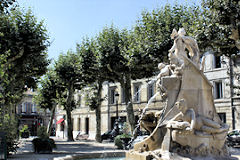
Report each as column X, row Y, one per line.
column 188, row 120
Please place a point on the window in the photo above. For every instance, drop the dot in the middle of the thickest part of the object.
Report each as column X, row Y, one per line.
column 122, row 95
column 217, row 62
column 27, row 107
column 19, row 108
column 218, row 90
column 136, row 93
column 87, row 125
column 34, row 108
column 24, row 108
column 79, row 99
column 112, row 96
column 222, row 117
column 150, row 89
column 79, row 124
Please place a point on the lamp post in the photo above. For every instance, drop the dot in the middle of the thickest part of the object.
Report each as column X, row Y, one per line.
column 116, row 121
column 116, row 97
column 231, row 91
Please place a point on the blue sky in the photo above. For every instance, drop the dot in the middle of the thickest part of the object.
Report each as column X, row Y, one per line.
column 69, row 21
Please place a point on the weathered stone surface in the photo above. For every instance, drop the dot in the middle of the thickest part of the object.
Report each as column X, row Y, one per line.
column 189, row 125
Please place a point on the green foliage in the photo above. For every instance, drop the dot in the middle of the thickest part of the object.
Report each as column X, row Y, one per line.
column 222, row 27
column 24, row 132
column 152, row 41
column 118, row 142
column 87, row 54
column 68, row 73
column 47, row 93
column 5, row 4
column 23, row 42
column 92, row 98
column 9, row 126
column 43, row 145
column 42, row 132
column 124, row 55
column 110, row 55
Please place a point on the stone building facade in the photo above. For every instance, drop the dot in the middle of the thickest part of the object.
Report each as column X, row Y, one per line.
column 31, row 115
column 84, row 120
column 217, row 70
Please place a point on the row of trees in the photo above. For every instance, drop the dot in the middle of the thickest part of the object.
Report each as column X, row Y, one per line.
column 113, row 55
column 23, row 60
column 123, row 55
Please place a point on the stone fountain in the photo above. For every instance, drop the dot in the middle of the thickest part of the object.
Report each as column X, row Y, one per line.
column 188, row 126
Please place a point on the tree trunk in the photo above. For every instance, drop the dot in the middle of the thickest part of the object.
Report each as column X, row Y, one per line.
column 128, row 100
column 51, row 120
column 98, row 113
column 68, row 112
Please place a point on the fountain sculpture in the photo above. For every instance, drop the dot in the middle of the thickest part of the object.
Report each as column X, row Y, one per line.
column 189, row 125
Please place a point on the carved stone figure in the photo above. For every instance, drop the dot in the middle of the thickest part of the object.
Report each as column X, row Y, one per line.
column 181, row 42
column 165, row 70
column 189, row 125
column 195, row 122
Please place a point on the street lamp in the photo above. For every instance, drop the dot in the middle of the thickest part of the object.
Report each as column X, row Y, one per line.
column 116, row 97
column 116, row 127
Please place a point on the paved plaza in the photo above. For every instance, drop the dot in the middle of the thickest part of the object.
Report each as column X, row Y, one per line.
column 64, row 148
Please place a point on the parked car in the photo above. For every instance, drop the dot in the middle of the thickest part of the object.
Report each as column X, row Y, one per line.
column 233, row 138
column 107, row 135
column 112, row 133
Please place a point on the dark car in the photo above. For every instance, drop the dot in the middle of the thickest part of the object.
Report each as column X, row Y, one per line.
column 112, row 133
column 233, row 138
column 107, row 135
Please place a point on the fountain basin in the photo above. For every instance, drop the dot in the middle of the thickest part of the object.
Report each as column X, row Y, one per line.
column 116, row 155
column 112, row 158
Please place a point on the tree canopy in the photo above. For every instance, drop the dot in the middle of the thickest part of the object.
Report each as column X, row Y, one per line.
column 24, row 43
column 222, row 27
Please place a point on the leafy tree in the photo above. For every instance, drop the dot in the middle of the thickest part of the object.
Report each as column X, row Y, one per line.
column 23, row 42
column 47, row 94
column 23, row 45
column 94, row 99
column 9, row 126
column 153, row 30
column 126, row 55
column 222, row 31
column 114, row 62
column 223, row 25
column 68, row 71
column 5, row 4
column 89, row 67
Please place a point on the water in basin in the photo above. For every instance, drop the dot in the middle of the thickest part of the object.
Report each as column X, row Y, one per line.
column 112, row 158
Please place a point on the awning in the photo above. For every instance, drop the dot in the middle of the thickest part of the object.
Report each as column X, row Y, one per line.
column 60, row 120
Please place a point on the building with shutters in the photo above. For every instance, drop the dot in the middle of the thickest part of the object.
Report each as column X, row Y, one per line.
column 30, row 114
column 216, row 70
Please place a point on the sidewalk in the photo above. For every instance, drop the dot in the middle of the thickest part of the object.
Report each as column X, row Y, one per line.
column 25, row 151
